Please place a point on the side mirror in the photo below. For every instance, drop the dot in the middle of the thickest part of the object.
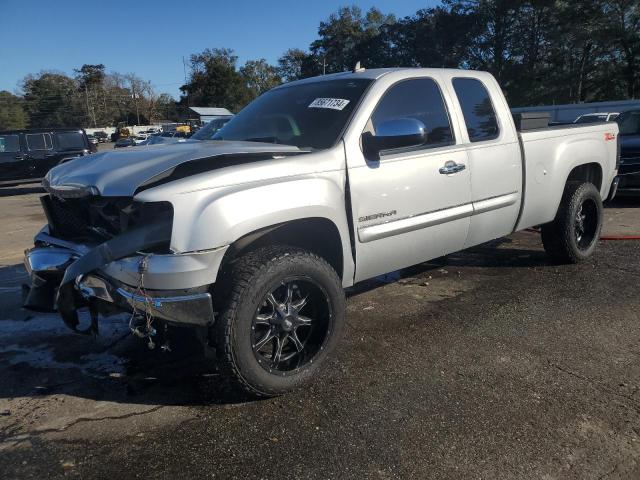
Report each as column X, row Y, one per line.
column 396, row 133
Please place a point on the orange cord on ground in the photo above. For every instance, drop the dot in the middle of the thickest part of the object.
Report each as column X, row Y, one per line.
column 620, row 237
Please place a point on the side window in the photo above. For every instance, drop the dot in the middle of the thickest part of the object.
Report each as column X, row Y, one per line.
column 421, row 99
column 39, row 141
column 478, row 111
column 70, row 141
column 9, row 144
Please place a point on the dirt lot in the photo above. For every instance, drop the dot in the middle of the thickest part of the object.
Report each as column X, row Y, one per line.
column 486, row 364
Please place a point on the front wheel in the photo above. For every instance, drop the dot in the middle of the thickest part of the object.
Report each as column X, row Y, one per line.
column 282, row 313
column 573, row 235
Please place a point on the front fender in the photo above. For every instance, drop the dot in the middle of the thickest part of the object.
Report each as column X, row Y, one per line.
column 217, row 217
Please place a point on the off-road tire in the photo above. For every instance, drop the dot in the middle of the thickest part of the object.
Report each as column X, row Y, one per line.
column 245, row 283
column 560, row 237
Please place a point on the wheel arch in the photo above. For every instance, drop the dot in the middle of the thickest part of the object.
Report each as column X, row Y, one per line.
column 587, row 172
column 319, row 235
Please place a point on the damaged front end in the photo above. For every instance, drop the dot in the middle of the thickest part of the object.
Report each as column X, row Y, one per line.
column 112, row 255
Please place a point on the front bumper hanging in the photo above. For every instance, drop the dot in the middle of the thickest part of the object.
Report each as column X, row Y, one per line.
column 66, row 277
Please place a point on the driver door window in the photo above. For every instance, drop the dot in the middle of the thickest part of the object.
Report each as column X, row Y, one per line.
column 421, row 100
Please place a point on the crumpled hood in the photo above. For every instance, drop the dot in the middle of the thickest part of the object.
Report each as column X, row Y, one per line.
column 120, row 172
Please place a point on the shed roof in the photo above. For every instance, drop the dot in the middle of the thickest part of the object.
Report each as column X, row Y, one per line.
column 210, row 111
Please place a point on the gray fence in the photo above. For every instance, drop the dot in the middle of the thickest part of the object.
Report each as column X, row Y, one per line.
column 568, row 113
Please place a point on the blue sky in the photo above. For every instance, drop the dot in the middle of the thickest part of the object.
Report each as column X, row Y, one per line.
column 150, row 38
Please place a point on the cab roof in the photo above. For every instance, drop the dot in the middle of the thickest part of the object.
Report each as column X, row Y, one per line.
column 376, row 73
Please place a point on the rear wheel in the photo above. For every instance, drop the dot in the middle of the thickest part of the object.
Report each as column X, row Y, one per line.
column 574, row 233
column 282, row 313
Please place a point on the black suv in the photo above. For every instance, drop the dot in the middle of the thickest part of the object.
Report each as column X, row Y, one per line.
column 30, row 154
column 629, row 169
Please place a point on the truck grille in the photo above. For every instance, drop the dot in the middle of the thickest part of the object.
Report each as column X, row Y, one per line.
column 66, row 221
column 96, row 219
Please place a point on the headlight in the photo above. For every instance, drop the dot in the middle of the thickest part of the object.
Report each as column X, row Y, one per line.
column 70, row 190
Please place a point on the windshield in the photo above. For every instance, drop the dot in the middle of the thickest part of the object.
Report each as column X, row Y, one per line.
column 310, row 115
column 210, row 129
column 629, row 123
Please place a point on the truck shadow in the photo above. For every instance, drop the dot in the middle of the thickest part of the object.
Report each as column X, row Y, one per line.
column 499, row 253
column 118, row 369
column 39, row 356
column 624, row 202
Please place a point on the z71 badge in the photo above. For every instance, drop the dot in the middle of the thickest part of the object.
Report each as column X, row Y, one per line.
column 375, row 216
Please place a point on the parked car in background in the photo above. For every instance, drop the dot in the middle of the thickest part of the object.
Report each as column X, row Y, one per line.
column 174, row 134
column 140, row 138
column 210, row 128
column 30, row 154
column 596, row 117
column 629, row 171
column 93, row 140
column 125, row 142
column 157, row 140
column 102, row 137
column 315, row 186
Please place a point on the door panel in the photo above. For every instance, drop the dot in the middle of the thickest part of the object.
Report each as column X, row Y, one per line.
column 495, row 191
column 494, row 157
column 406, row 212
column 412, row 205
column 13, row 165
column 40, row 153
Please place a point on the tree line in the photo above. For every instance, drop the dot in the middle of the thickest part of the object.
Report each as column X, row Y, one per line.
column 541, row 52
column 91, row 98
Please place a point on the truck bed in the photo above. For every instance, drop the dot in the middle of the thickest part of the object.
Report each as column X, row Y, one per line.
column 547, row 160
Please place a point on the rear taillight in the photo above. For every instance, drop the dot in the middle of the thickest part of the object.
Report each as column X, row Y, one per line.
column 618, row 151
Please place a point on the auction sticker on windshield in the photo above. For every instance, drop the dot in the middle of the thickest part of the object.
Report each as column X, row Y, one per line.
column 331, row 103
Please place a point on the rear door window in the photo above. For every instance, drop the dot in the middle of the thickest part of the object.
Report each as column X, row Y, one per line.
column 70, row 141
column 478, row 111
column 39, row 141
column 9, row 144
column 420, row 99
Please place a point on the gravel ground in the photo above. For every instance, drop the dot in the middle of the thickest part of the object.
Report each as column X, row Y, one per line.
column 489, row 363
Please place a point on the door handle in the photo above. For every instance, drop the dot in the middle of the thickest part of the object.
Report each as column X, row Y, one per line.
column 452, row 167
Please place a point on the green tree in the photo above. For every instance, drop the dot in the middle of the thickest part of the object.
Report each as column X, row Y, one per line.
column 260, row 76
column 215, row 81
column 51, row 100
column 623, row 27
column 435, row 37
column 295, row 64
column 12, row 115
column 90, row 80
column 348, row 36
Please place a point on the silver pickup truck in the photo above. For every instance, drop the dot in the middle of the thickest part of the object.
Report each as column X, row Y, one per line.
column 251, row 237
